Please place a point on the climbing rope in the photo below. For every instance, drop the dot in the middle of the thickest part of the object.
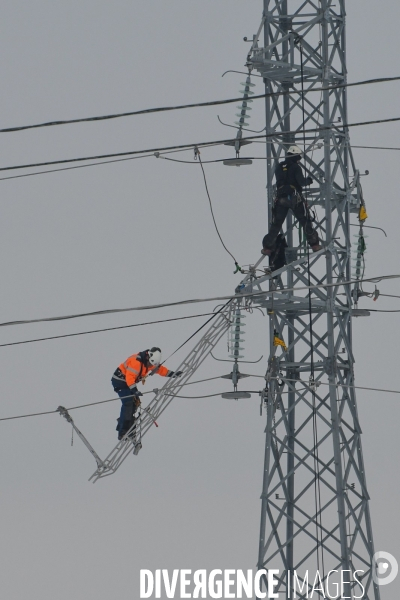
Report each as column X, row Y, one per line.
column 197, row 156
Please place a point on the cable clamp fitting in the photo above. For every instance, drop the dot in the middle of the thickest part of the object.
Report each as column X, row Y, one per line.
column 238, row 268
column 64, row 413
column 313, row 385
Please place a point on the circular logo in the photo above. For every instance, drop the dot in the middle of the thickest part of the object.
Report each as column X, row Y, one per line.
column 384, row 568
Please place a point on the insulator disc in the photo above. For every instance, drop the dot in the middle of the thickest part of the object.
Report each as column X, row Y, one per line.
column 237, row 162
column 235, row 395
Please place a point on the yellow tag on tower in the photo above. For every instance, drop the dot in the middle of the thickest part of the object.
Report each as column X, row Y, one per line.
column 362, row 215
column 279, row 342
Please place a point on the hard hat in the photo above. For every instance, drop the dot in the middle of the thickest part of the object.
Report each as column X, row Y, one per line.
column 155, row 356
column 294, row 151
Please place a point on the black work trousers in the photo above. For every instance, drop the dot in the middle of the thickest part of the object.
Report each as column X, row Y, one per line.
column 300, row 210
column 129, row 405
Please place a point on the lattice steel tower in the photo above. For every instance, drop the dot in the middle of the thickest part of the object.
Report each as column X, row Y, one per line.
column 315, row 512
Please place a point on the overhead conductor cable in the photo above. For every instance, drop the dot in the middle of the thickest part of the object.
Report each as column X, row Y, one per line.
column 238, row 268
column 184, row 106
column 195, row 145
column 194, row 301
column 305, row 383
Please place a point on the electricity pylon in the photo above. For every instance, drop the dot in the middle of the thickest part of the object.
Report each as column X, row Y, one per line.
column 315, row 504
column 315, row 512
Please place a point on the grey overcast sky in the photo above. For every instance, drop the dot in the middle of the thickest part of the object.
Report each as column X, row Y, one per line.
column 140, row 232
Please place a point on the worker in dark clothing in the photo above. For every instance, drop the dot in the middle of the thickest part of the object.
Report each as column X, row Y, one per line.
column 136, row 368
column 289, row 183
column 277, row 259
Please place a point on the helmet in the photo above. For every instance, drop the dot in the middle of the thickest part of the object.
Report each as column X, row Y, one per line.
column 294, row 151
column 154, row 356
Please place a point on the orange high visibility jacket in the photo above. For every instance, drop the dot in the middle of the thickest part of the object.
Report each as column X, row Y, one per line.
column 134, row 370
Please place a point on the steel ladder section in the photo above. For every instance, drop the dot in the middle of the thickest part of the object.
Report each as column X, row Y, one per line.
column 164, row 396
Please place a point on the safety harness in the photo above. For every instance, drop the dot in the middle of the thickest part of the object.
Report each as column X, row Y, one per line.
column 286, row 189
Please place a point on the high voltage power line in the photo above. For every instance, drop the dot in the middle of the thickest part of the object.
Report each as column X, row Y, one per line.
column 193, row 105
column 376, row 279
column 200, row 144
column 50, row 412
column 161, row 155
column 104, row 162
column 305, row 383
column 57, row 337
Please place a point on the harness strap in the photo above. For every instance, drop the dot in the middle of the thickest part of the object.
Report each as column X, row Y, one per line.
column 282, row 186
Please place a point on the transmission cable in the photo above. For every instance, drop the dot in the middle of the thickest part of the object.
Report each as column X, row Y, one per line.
column 175, row 351
column 198, row 144
column 211, row 395
column 111, row 400
column 343, row 385
column 237, row 267
column 104, row 162
column 107, row 162
column 51, row 412
column 185, row 106
column 57, row 337
column 304, row 382
column 389, row 295
column 382, row 310
column 188, row 162
column 197, row 300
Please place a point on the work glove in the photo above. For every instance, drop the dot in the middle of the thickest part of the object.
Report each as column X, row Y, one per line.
column 309, row 181
column 135, row 392
column 176, row 373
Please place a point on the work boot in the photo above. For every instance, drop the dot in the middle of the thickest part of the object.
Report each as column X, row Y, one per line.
column 266, row 251
column 316, row 247
column 126, row 425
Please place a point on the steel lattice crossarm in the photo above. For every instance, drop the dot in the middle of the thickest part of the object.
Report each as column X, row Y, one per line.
column 148, row 416
column 315, row 502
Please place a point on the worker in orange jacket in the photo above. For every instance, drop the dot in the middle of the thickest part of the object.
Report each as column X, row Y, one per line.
column 125, row 378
